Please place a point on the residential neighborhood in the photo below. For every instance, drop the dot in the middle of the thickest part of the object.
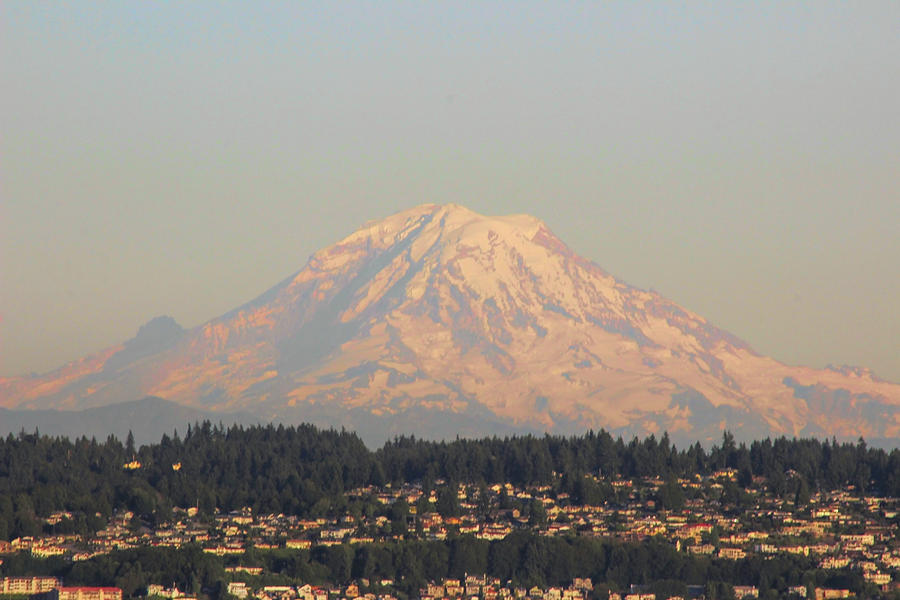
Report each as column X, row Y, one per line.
column 841, row 530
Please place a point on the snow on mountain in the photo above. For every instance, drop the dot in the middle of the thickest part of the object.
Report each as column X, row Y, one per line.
column 438, row 317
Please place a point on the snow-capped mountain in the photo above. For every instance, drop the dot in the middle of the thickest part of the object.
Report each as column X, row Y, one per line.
column 439, row 320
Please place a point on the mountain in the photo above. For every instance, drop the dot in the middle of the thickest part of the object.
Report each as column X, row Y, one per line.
column 437, row 321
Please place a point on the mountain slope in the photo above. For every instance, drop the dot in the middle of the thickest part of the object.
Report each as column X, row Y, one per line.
column 440, row 315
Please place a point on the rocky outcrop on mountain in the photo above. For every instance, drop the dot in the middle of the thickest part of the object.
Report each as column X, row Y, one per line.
column 439, row 319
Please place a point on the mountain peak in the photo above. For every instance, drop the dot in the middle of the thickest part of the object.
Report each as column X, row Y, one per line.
column 439, row 229
column 447, row 218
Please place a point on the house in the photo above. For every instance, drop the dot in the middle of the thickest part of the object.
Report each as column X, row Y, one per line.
column 866, row 539
column 694, row 530
column 155, row 589
column 244, row 569
column 828, row 594
column 81, row 593
column 583, row 584
column 732, row 553
column 453, row 587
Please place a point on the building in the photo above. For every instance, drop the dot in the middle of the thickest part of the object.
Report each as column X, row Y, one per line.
column 732, row 553
column 828, row 594
column 28, row 585
column 81, row 593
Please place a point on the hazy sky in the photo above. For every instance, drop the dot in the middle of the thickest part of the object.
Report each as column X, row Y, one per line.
column 741, row 158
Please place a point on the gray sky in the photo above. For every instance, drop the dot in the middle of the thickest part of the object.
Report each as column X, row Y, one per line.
column 180, row 158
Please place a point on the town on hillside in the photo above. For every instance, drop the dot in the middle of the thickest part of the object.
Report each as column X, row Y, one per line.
column 842, row 531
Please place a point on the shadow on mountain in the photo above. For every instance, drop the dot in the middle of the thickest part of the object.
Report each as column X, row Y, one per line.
column 325, row 332
column 707, row 422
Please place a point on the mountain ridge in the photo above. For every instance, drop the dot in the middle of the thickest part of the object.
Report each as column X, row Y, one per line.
column 442, row 310
column 148, row 419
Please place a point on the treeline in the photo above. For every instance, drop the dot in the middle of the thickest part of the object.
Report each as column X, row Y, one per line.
column 524, row 558
column 306, row 471
column 529, row 460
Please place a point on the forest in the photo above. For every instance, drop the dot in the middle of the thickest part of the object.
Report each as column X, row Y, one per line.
column 306, row 471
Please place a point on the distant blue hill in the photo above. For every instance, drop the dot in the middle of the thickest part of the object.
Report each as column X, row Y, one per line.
column 148, row 419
